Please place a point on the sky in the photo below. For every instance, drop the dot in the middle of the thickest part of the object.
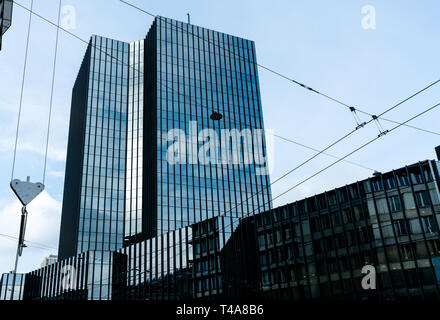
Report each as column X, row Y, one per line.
column 324, row 44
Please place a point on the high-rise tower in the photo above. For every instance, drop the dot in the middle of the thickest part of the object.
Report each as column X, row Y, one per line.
column 94, row 187
column 203, row 151
column 165, row 132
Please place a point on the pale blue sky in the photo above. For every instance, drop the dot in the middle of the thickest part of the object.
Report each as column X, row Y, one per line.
column 321, row 43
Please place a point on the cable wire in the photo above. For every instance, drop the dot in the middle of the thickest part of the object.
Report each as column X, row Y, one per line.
column 51, row 92
column 354, row 151
column 302, row 85
column 317, row 150
column 302, row 164
column 33, row 244
column 22, row 88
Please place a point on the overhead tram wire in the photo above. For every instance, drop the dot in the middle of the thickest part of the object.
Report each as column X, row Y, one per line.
column 137, row 70
column 242, row 58
column 327, row 167
column 294, row 169
column 312, row 176
column 302, row 85
column 22, row 88
column 337, row 141
column 51, row 92
column 29, row 243
column 138, row 274
column 320, row 152
column 354, row 151
column 324, row 153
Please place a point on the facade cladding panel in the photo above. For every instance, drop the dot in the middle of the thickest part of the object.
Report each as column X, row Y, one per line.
column 12, row 286
column 180, row 264
column 133, row 205
column 190, row 73
column 316, row 248
column 311, row 249
column 86, row 276
column 94, row 192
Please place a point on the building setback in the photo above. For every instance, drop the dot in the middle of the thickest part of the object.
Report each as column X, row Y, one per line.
column 314, row 248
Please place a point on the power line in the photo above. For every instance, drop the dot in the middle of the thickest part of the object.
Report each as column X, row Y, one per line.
column 307, row 179
column 33, row 244
column 302, row 85
column 299, row 166
column 334, row 163
column 337, row 141
column 133, row 275
column 413, row 127
column 324, row 153
column 22, row 88
column 111, row 56
column 51, row 92
column 134, row 68
column 340, row 159
column 354, row 151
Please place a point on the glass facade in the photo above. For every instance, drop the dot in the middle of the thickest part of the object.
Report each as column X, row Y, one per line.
column 315, row 248
column 94, row 193
column 11, row 286
column 135, row 144
column 180, row 264
column 192, row 72
column 166, row 197
column 86, row 276
column 128, row 103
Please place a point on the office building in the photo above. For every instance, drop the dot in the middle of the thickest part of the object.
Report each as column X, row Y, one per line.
column 86, row 276
column 315, row 248
column 312, row 249
column 164, row 132
column 94, row 189
column 51, row 259
column 189, row 75
column 158, row 207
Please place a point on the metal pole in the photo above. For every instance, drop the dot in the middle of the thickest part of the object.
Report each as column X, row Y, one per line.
column 19, row 247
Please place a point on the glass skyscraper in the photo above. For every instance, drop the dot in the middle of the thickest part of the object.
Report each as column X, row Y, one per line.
column 193, row 75
column 165, row 132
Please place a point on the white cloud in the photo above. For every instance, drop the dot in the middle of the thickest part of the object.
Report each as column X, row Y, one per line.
column 43, row 225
